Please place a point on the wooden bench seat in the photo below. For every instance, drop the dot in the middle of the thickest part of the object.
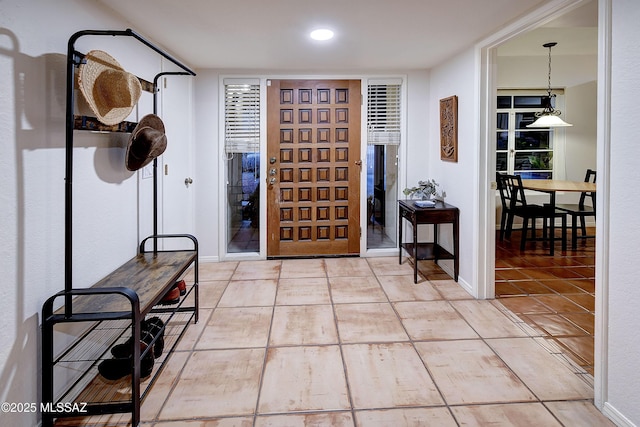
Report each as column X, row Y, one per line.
column 148, row 275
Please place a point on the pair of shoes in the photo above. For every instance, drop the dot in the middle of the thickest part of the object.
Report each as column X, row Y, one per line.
column 116, row 368
column 151, row 329
column 172, row 296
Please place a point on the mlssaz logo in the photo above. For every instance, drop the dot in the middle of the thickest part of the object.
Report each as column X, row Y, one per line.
column 64, row 407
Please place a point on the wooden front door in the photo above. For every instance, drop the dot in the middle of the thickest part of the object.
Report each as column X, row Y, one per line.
column 313, row 167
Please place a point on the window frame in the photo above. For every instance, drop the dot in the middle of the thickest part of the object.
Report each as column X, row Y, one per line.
column 384, row 110
column 555, row 140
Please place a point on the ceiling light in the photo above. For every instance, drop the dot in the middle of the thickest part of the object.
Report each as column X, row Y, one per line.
column 321, row 34
column 549, row 117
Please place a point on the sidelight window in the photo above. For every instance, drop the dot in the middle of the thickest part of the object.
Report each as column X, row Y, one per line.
column 384, row 120
column 242, row 151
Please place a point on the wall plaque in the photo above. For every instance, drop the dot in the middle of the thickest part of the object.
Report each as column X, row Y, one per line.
column 449, row 129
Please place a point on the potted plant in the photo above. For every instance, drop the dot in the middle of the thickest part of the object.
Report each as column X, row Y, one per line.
column 425, row 190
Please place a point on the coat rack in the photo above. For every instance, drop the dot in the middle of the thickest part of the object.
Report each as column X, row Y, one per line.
column 74, row 58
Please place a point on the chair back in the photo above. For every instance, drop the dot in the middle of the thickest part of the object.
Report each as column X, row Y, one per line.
column 505, row 194
column 511, row 191
column 589, row 177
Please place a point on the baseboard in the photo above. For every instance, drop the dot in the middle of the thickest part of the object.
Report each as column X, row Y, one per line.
column 614, row 415
column 448, row 268
column 209, row 259
column 380, row 252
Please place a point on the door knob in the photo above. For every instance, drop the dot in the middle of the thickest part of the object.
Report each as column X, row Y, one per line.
column 188, row 181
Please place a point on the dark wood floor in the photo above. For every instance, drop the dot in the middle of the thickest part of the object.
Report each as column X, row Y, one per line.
column 553, row 294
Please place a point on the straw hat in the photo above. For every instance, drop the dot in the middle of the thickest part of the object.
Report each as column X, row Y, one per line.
column 110, row 91
column 147, row 141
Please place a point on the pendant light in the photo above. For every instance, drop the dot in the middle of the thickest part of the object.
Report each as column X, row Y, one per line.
column 549, row 117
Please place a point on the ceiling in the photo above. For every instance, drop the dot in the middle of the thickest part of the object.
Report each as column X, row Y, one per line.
column 370, row 34
column 575, row 32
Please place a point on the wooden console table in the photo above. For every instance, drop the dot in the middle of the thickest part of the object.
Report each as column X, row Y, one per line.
column 442, row 213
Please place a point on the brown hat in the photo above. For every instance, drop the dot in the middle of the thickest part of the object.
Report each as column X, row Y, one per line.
column 110, row 91
column 147, row 141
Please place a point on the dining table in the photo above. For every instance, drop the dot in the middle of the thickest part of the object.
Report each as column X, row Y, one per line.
column 552, row 186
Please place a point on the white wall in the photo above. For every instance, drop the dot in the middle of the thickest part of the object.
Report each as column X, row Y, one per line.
column 459, row 180
column 207, row 163
column 525, row 72
column 106, row 224
column 623, row 290
column 581, row 140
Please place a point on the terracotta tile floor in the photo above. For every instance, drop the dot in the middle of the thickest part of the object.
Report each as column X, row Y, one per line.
column 354, row 342
column 555, row 295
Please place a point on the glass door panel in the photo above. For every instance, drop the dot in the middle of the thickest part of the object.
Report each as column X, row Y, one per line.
column 243, row 196
column 382, row 190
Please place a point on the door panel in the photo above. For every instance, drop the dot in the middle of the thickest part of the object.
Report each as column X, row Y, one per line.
column 174, row 167
column 313, row 167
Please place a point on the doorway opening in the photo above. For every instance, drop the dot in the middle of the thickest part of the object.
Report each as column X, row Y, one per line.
column 553, row 294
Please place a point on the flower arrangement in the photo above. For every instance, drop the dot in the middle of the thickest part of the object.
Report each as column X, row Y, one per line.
column 424, row 190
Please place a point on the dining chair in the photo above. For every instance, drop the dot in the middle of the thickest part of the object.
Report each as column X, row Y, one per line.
column 581, row 211
column 514, row 203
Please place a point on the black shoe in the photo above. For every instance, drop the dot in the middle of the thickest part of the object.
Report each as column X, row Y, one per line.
column 114, row 369
column 150, row 328
column 124, row 350
column 156, row 327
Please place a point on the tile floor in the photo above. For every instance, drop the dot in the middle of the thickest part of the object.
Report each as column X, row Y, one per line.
column 553, row 294
column 354, row 342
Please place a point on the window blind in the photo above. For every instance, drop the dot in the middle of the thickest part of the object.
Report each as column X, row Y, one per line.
column 242, row 117
column 383, row 113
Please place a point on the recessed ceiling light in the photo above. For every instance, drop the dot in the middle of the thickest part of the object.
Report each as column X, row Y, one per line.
column 321, row 34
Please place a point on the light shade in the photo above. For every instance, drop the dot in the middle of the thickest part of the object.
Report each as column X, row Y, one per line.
column 549, row 117
column 549, row 121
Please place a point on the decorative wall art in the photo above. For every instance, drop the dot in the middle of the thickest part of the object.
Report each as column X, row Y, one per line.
column 449, row 129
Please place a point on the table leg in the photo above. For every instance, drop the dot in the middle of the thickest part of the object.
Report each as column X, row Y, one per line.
column 552, row 226
column 400, row 235
column 415, row 250
column 564, row 234
column 435, row 243
column 456, row 248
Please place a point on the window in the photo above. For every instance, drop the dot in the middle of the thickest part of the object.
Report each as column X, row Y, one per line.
column 520, row 150
column 383, row 114
column 242, row 150
column 383, row 139
column 241, row 117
